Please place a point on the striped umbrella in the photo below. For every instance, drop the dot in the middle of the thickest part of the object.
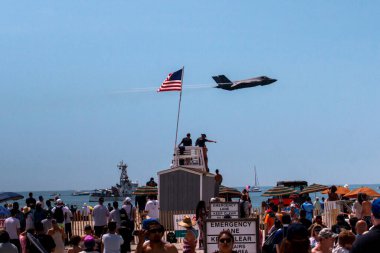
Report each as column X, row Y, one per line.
column 227, row 192
column 278, row 191
column 314, row 188
column 354, row 193
column 145, row 190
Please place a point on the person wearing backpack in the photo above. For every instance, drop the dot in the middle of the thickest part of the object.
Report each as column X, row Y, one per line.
column 281, row 233
column 130, row 211
column 59, row 214
column 268, row 245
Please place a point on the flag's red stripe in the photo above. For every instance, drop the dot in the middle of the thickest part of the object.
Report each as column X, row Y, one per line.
column 170, row 85
column 172, row 82
column 163, row 88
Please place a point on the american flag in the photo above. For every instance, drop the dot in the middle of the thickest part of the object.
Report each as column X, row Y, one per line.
column 173, row 82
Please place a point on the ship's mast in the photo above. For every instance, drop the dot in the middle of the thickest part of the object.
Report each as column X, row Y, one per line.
column 124, row 181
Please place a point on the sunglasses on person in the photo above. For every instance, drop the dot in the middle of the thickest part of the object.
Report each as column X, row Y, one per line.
column 225, row 240
column 155, row 230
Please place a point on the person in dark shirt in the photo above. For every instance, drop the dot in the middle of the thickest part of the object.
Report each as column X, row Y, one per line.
column 201, row 142
column 125, row 232
column 151, row 183
column 45, row 240
column 370, row 241
column 31, row 202
column 186, row 141
column 340, row 225
column 305, row 222
column 140, row 201
column 281, row 233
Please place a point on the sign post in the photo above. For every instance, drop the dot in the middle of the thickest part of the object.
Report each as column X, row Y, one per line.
column 245, row 232
column 219, row 209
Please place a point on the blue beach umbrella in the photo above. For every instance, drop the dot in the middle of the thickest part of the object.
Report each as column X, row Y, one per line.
column 6, row 196
column 4, row 212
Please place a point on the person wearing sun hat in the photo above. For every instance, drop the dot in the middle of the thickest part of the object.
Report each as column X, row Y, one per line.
column 326, row 241
column 29, row 221
column 190, row 240
column 370, row 242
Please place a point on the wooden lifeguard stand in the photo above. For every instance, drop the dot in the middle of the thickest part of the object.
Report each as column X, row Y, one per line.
column 183, row 185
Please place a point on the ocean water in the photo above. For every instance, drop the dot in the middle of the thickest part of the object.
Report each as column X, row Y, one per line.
column 256, row 197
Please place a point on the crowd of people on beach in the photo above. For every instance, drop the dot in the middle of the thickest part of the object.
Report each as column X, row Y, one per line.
column 49, row 224
column 300, row 227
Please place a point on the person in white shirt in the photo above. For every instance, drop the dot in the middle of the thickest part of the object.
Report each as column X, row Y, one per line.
column 111, row 241
column 68, row 216
column 5, row 244
column 85, row 211
column 115, row 214
column 317, row 207
column 130, row 211
column 12, row 226
column 152, row 207
column 100, row 215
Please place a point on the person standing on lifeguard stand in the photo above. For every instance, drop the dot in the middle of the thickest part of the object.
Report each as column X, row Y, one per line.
column 201, row 142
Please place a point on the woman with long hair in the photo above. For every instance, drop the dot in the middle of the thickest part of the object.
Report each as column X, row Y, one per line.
column 332, row 195
column 357, row 207
column 201, row 214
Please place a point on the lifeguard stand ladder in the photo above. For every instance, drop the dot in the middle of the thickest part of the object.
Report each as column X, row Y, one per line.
column 189, row 157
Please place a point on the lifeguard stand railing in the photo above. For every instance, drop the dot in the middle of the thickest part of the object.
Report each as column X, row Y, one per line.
column 189, row 157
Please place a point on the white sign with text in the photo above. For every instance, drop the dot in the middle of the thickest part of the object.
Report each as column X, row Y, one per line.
column 219, row 209
column 243, row 230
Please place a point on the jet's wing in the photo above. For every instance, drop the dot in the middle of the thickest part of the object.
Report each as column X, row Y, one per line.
column 251, row 81
column 221, row 79
column 236, row 83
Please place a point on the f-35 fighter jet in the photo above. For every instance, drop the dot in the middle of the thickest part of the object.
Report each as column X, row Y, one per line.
column 225, row 84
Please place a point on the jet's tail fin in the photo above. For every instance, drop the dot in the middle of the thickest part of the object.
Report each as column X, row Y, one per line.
column 221, row 80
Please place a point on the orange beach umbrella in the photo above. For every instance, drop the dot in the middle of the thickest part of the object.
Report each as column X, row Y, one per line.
column 340, row 190
column 369, row 191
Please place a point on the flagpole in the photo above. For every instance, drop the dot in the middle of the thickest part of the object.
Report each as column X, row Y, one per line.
column 179, row 107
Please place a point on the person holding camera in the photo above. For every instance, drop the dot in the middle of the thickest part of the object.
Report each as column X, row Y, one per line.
column 153, row 231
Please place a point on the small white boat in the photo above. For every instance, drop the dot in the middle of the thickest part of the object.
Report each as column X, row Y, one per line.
column 255, row 187
column 80, row 193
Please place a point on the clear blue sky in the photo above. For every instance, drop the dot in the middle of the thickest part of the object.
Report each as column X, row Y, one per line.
column 65, row 121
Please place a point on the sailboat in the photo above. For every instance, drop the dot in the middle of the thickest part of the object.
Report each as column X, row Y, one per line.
column 255, row 187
